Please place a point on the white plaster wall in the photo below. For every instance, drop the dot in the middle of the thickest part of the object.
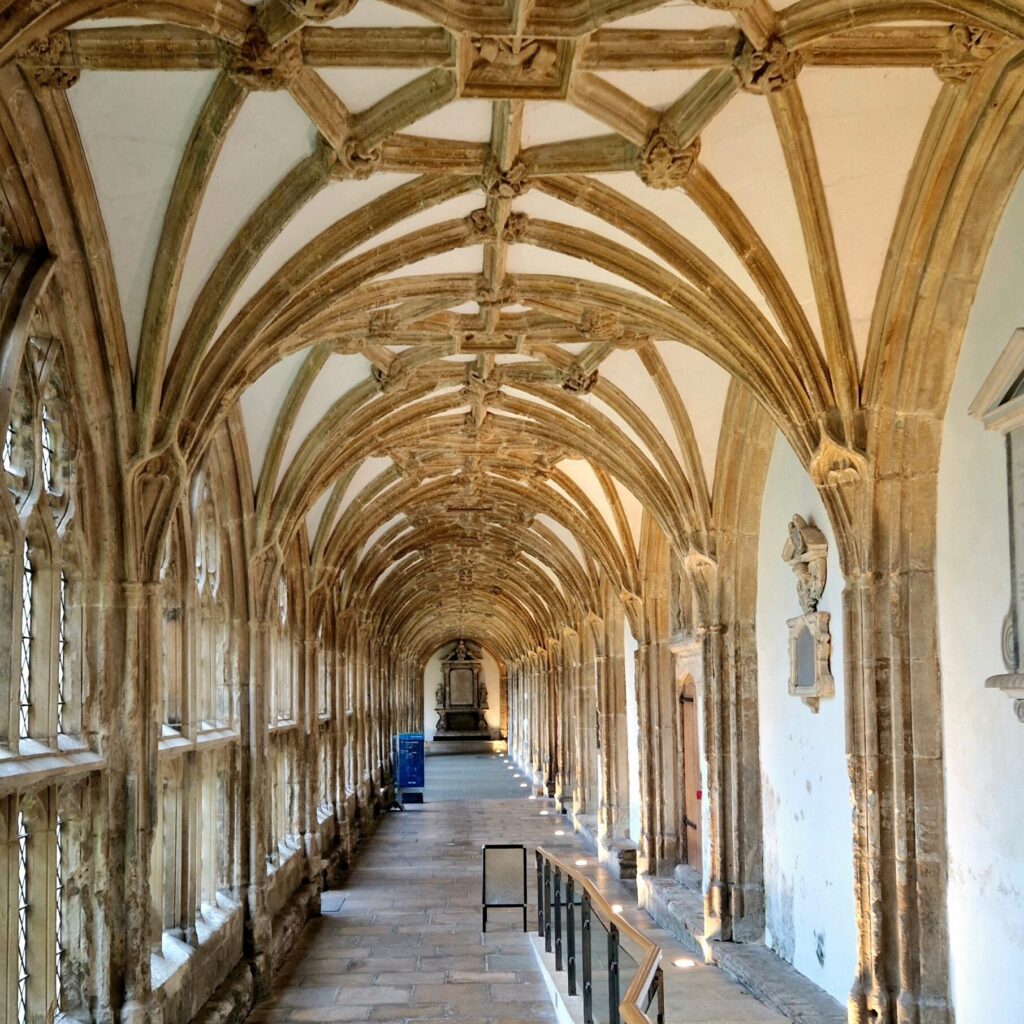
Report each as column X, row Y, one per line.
column 984, row 744
column 432, row 676
column 805, row 790
column 632, row 735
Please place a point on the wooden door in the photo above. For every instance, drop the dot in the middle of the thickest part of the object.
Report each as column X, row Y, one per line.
column 691, row 773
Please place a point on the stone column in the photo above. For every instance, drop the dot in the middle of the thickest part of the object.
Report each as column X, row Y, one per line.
column 134, row 753
column 255, row 796
column 308, row 715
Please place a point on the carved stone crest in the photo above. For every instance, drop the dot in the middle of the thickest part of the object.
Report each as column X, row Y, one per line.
column 806, row 553
column 661, row 164
column 498, row 67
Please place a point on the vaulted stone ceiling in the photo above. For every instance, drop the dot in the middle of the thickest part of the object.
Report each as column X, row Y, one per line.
column 480, row 275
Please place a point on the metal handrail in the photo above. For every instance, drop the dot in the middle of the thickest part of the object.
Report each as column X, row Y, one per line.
column 647, row 982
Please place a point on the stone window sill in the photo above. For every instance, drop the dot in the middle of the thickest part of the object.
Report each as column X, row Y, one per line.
column 37, row 762
column 211, row 925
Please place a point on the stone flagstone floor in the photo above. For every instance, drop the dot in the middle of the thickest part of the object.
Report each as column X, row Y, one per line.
column 402, row 940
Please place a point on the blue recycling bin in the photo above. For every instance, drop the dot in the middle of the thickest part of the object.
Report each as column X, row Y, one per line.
column 407, row 757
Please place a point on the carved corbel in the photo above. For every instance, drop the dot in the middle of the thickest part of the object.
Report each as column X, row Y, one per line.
column 764, row 70
column 155, row 486
column 260, row 66
column 967, row 49
column 662, row 163
column 50, row 62
column 835, row 464
column 702, row 572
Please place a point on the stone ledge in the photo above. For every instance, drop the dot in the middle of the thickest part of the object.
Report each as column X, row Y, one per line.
column 777, row 984
column 676, row 908
column 679, row 909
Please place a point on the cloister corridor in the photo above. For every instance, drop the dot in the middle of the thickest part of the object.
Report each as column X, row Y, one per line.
column 400, row 939
column 623, row 399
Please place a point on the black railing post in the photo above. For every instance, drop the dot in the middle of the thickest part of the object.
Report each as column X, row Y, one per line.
column 588, row 978
column 540, row 894
column 659, row 979
column 547, row 906
column 613, row 974
column 558, row 919
column 570, row 931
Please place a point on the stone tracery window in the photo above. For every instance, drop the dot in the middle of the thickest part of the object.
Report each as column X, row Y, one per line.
column 42, row 568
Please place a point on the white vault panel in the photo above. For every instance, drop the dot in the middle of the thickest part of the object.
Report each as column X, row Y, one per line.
column 862, row 191
column 269, row 137
column 135, row 126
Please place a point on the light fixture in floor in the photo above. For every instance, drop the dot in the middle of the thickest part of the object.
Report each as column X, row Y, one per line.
column 616, row 908
column 684, row 963
column 559, row 832
column 522, row 785
column 543, row 814
column 581, row 863
column 533, row 796
column 516, row 775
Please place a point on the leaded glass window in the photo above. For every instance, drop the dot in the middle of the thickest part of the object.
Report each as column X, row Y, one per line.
column 62, row 643
column 58, row 890
column 25, row 687
column 22, row 919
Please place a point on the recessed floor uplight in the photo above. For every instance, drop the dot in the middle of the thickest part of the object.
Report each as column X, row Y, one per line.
column 517, row 776
column 684, row 963
column 581, row 863
column 543, row 814
column 616, row 908
column 559, row 832
column 510, row 768
column 533, row 796
column 522, row 785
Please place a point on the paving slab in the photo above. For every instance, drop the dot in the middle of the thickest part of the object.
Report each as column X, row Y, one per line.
column 402, row 939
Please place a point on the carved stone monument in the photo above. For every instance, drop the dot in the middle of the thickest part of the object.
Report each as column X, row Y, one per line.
column 461, row 697
column 810, row 644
